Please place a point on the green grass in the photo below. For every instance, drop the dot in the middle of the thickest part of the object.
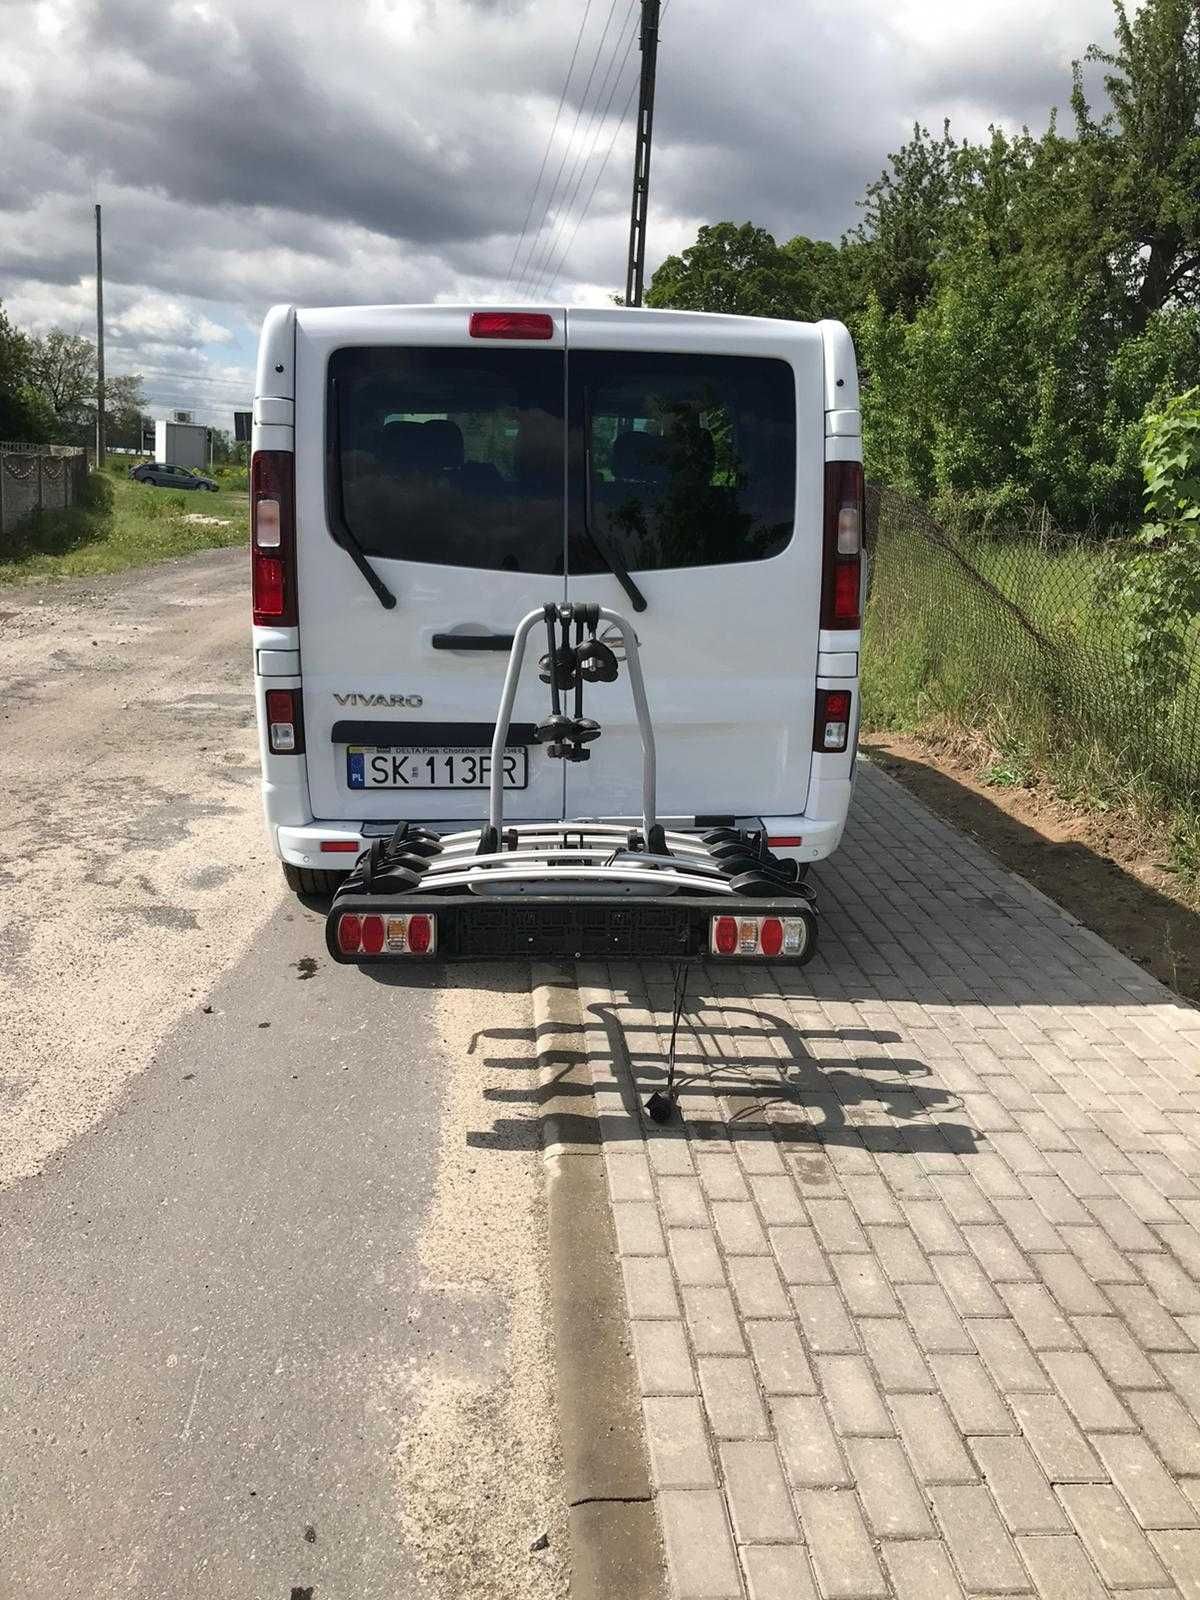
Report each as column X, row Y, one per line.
column 122, row 524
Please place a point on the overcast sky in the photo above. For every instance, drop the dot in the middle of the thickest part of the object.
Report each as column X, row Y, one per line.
column 332, row 151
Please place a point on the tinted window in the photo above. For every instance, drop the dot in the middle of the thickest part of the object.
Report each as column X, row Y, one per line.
column 452, row 456
column 692, row 458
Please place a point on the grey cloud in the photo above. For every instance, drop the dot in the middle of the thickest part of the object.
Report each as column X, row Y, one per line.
column 296, row 149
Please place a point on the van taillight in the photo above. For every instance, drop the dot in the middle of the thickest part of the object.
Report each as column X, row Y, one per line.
column 285, row 722
column 841, row 585
column 273, row 537
column 832, row 727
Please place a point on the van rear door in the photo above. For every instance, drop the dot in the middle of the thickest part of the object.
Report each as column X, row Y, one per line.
column 442, row 456
column 697, row 455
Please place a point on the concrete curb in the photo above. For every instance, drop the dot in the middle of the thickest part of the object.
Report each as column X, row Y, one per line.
column 616, row 1552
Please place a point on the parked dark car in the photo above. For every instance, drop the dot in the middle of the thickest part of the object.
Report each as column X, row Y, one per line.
column 163, row 476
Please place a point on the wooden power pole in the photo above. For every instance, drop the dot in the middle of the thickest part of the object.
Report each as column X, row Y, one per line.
column 100, row 442
column 636, row 270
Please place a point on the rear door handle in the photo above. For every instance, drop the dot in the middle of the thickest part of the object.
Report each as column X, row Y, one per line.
column 472, row 641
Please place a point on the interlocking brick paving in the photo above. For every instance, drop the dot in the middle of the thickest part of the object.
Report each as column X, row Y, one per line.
column 914, row 1280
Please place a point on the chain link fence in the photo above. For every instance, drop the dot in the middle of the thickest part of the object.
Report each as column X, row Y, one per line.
column 1030, row 629
column 37, row 478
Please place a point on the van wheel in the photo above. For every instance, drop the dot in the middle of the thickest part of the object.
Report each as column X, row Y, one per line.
column 313, row 881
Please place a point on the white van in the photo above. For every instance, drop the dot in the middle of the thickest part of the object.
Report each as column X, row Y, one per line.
column 423, row 476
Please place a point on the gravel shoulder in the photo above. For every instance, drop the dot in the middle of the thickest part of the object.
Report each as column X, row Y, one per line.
column 133, row 860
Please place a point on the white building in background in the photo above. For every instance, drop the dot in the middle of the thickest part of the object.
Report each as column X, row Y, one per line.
column 181, row 443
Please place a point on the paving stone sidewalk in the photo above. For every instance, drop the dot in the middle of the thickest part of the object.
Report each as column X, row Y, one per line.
column 915, row 1288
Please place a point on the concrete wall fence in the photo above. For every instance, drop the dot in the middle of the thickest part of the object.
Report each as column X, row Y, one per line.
column 38, row 477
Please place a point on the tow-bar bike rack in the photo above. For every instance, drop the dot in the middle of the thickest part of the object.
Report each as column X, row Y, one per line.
column 586, row 888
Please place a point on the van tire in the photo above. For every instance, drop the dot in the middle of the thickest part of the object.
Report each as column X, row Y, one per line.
column 313, row 881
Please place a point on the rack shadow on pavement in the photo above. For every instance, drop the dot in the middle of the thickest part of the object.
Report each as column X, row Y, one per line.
column 798, row 1100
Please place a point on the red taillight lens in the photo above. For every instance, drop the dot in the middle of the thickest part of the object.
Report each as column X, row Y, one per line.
column 419, row 932
column 270, row 590
column 511, row 325
column 349, row 934
column 339, row 846
column 273, row 537
column 285, row 722
column 372, row 935
column 845, row 593
column 842, row 581
column 761, row 938
column 832, row 728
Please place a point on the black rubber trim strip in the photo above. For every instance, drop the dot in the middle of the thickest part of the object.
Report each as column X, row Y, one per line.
column 421, row 735
column 472, row 641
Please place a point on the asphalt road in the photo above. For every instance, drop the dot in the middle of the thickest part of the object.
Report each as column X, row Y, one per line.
column 273, row 1318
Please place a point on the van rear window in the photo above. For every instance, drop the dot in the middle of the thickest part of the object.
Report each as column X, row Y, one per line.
column 691, row 458
column 452, row 456
column 460, row 457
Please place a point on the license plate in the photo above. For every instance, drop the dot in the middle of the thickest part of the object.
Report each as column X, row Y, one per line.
column 384, row 767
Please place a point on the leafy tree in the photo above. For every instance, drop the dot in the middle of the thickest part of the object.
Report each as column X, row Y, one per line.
column 743, row 271
column 905, row 214
column 64, row 370
column 124, row 407
column 23, row 416
column 1144, row 154
column 728, row 269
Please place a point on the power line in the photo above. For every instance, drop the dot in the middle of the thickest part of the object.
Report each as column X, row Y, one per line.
column 550, row 269
column 549, row 143
column 587, row 150
column 542, row 252
column 570, row 141
column 603, row 168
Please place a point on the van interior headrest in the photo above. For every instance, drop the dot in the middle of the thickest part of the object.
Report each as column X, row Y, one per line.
column 435, row 446
column 639, row 458
column 651, row 458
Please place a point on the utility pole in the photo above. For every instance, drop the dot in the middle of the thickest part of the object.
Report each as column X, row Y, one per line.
column 635, row 272
column 99, row 346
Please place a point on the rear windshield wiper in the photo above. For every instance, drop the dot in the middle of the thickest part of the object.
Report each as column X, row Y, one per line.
column 610, row 556
column 345, row 538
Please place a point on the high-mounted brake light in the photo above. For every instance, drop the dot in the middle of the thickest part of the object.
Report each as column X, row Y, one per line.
column 841, row 585
column 831, row 730
column 759, row 936
column 511, row 325
column 285, row 722
column 273, row 538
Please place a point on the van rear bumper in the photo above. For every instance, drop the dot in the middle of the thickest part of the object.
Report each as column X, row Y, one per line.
column 302, row 846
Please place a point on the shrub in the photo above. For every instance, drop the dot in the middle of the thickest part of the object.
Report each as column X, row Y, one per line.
column 1161, row 580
